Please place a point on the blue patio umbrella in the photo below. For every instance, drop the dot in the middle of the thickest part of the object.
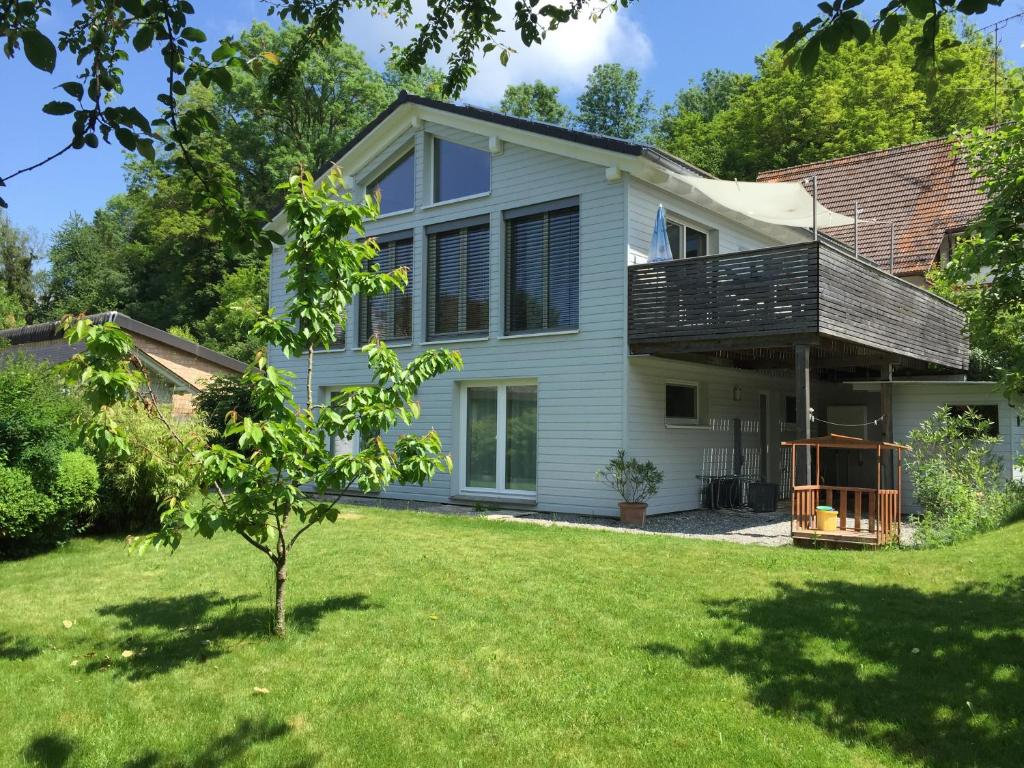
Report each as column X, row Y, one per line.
column 660, row 248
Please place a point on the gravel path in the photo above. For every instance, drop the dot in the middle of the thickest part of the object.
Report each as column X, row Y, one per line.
column 768, row 530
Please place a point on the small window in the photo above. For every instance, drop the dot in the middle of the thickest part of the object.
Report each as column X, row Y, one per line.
column 988, row 412
column 457, row 281
column 542, row 263
column 680, row 404
column 460, row 171
column 686, row 242
column 396, row 186
column 790, row 409
column 389, row 316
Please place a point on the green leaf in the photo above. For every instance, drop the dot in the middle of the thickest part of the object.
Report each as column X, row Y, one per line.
column 58, row 108
column 145, row 148
column 143, row 38
column 73, row 89
column 39, row 50
column 194, row 35
column 126, row 138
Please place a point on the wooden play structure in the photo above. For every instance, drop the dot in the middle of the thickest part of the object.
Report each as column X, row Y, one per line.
column 866, row 517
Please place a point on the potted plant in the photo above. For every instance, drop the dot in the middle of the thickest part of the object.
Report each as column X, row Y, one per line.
column 635, row 482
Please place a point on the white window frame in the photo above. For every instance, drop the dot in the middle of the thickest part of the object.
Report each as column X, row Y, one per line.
column 677, row 423
column 683, row 227
column 501, row 439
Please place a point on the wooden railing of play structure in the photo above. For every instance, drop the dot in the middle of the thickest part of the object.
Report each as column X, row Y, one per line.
column 862, row 511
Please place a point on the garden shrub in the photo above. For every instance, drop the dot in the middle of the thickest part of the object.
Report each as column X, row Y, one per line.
column 133, row 484
column 74, row 490
column 958, row 480
column 25, row 513
column 221, row 396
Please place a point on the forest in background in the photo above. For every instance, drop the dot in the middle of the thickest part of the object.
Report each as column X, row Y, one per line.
column 150, row 253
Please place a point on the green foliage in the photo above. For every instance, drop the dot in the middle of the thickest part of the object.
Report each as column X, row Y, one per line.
column 74, row 489
column 614, row 104
column 17, row 255
column 38, row 416
column 270, row 471
column 957, row 478
column 241, row 301
column 535, row 101
column 635, row 481
column 222, row 399
column 25, row 514
column 862, row 97
column 150, row 468
column 993, row 246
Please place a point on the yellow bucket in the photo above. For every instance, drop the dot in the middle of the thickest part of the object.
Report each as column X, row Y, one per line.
column 827, row 518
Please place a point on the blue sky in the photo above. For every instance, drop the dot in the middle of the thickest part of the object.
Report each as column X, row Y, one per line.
column 669, row 41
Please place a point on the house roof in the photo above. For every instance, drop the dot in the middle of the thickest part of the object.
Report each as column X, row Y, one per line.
column 58, row 353
column 924, row 189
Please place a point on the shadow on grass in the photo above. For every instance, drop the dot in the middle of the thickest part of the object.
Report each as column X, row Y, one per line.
column 937, row 677
column 56, row 751
column 15, row 648
column 166, row 633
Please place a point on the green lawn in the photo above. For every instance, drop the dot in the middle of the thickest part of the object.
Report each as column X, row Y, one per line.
column 425, row 640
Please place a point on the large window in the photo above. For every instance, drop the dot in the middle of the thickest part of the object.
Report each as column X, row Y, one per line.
column 396, row 186
column 499, row 445
column 460, row 171
column 685, row 241
column 542, row 270
column 457, row 279
column 389, row 317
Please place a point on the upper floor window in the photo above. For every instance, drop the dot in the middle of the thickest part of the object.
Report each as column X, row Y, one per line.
column 457, row 278
column 685, row 241
column 396, row 186
column 389, row 317
column 542, row 268
column 460, row 171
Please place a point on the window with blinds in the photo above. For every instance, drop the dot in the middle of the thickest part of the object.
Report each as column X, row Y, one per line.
column 457, row 281
column 542, row 271
column 389, row 317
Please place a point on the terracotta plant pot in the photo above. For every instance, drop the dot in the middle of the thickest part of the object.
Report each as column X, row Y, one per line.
column 632, row 514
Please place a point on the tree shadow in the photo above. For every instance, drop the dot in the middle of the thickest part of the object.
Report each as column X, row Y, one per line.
column 163, row 634
column 15, row 648
column 938, row 677
column 55, row 751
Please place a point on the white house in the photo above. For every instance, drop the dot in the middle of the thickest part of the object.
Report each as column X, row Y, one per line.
column 527, row 245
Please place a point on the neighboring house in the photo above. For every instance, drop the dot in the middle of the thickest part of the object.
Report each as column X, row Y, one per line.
column 924, row 190
column 527, row 246
column 177, row 368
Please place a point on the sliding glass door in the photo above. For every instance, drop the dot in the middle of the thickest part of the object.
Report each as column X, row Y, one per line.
column 499, row 438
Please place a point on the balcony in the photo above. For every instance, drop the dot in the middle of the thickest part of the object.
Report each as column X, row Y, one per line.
column 754, row 307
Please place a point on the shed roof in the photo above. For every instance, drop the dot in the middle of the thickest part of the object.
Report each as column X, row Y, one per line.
column 925, row 189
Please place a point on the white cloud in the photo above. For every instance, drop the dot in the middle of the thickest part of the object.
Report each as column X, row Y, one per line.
column 564, row 59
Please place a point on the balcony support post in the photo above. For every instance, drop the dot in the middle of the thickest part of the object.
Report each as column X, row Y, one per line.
column 802, row 355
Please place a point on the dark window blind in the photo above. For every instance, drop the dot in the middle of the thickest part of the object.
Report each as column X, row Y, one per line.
column 389, row 317
column 542, row 272
column 457, row 282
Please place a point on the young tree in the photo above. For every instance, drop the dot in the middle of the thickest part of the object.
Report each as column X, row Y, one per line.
column 984, row 275
column 613, row 103
column 272, row 472
column 535, row 101
column 17, row 255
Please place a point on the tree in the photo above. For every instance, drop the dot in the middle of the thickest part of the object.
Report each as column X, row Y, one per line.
column 861, row 98
column 613, row 104
column 17, row 255
column 241, row 301
column 993, row 247
column 535, row 101
column 270, row 483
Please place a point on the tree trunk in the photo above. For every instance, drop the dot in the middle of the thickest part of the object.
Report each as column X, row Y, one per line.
column 282, row 577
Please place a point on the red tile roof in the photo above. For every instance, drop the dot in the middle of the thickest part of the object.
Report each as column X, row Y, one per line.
column 924, row 189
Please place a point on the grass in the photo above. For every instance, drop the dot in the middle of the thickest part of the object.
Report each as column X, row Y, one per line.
column 425, row 640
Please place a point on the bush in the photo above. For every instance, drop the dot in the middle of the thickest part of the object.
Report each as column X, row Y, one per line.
column 957, row 478
column 221, row 396
column 25, row 514
column 133, row 485
column 633, row 480
column 74, row 490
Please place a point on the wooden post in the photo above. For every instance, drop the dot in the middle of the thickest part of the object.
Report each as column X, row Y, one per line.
column 879, row 508
column 887, row 426
column 802, row 354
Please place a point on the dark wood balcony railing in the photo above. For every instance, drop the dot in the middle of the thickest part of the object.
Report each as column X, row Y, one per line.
column 800, row 293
